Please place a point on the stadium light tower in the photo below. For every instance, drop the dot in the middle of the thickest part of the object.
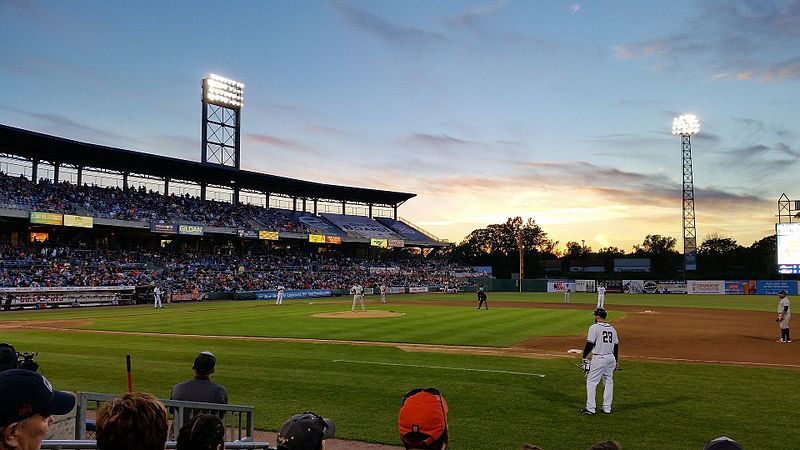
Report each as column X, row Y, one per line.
column 685, row 126
column 222, row 110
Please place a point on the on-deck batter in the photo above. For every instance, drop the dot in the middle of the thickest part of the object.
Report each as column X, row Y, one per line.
column 602, row 342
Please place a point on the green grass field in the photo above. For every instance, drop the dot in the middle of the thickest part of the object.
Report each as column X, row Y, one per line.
column 495, row 402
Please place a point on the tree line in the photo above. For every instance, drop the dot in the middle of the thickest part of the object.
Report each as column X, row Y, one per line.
column 718, row 257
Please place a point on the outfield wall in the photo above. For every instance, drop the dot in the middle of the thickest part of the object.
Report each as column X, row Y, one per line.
column 693, row 287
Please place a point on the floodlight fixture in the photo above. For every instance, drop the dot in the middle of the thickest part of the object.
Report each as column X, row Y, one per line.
column 685, row 125
column 222, row 108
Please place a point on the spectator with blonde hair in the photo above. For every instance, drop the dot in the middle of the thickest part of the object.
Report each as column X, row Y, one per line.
column 135, row 421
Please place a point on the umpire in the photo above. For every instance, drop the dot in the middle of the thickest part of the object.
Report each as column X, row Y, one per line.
column 482, row 297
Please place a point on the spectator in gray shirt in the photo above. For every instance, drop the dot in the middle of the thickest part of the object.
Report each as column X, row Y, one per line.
column 201, row 388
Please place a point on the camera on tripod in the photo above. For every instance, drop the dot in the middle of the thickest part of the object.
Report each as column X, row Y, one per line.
column 10, row 359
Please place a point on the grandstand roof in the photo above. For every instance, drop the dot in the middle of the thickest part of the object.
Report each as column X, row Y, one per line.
column 31, row 144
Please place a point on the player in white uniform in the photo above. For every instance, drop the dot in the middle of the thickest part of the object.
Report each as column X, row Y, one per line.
column 602, row 342
column 157, row 297
column 784, row 314
column 279, row 300
column 601, row 296
column 566, row 293
column 358, row 295
column 383, row 293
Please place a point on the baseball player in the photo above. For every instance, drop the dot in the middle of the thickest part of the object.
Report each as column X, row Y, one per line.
column 566, row 293
column 358, row 295
column 383, row 293
column 279, row 300
column 784, row 314
column 157, row 296
column 601, row 296
column 482, row 300
column 602, row 342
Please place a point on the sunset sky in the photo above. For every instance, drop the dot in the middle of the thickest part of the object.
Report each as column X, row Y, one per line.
column 556, row 110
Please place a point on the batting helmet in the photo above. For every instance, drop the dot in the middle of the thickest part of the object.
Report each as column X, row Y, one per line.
column 600, row 312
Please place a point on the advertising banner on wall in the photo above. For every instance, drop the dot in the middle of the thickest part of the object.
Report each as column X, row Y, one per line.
column 585, row 286
column 46, row 218
column 560, row 285
column 247, row 234
column 163, row 228
column 744, row 287
column 417, row 289
column 304, row 293
column 382, row 243
column 78, row 221
column 191, row 230
column 671, row 287
column 268, row 235
column 772, row 287
column 333, row 240
column 633, row 286
column 395, row 243
column 397, row 290
column 316, row 238
column 705, row 287
column 613, row 285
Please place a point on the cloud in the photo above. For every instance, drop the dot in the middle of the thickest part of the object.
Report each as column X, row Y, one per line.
column 382, row 28
column 574, row 8
column 279, row 143
column 473, row 16
column 748, row 40
column 63, row 126
column 322, row 129
column 436, row 140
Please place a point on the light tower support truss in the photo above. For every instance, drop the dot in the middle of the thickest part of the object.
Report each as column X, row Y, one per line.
column 222, row 110
column 689, row 230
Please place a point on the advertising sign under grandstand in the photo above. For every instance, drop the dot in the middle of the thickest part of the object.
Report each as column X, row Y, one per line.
column 395, row 243
column 46, row 218
column 316, row 238
column 268, row 235
column 333, row 240
column 247, row 234
column 382, row 243
column 163, row 228
column 78, row 221
column 191, row 230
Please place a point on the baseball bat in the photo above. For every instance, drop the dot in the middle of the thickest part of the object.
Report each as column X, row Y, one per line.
column 130, row 379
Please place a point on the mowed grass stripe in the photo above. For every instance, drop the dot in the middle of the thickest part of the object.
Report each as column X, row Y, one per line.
column 657, row 406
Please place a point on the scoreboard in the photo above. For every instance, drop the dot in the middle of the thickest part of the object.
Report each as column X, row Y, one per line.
column 788, row 247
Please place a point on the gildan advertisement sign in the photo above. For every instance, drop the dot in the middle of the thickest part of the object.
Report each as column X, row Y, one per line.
column 78, row 221
column 191, row 230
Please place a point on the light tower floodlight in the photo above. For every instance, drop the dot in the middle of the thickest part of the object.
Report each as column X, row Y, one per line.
column 685, row 126
column 222, row 108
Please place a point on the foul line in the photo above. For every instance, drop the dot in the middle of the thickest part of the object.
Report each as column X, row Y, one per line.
column 377, row 363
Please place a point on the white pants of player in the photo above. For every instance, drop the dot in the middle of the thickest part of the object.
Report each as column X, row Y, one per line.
column 279, row 301
column 359, row 298
column 602, row 367
column 785, row 322
column 566, row 297
column 158, row 302
column 601, row 300
column 383, row 298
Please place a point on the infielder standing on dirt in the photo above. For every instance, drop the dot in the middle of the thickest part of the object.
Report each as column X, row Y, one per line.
column 784, row 314
column 603, row 344
column 601, row 296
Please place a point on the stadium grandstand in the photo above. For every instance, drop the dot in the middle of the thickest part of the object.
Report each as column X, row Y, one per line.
column 75, row 214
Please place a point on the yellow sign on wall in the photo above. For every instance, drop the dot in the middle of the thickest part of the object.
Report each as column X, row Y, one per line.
column 268, row 235
column 46, row 218
column 382, row 243
column 78, row 221
column 317, row 238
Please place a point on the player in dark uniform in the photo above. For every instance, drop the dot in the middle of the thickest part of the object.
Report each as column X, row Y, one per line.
column 482, row 297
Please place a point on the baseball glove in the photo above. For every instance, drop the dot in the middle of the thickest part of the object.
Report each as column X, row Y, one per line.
column 779, row 318
column 585, row 365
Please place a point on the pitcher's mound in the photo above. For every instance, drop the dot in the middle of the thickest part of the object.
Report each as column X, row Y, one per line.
column 377, row 314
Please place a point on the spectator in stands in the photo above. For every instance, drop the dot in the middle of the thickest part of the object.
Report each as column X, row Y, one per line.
column 201, row 388
column 27, row 405
column 306, row 431
column 135, row 421
column 423, row 420
column 8, row 357
column 606, row 445
column 723, row 443
column 202, row 432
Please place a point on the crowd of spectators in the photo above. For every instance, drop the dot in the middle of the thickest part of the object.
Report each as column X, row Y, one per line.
column 140, row 204
column 44, row 265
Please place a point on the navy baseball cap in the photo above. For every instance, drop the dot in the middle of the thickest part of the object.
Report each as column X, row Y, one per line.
column 305, row 432
column 8, row 357
column 205, row 362
column 600, row 312
column 26, row 393
column 723, row 443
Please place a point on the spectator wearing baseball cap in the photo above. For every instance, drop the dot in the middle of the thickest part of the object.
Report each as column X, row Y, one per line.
column 306, row 431
column 723, row 443
column 201, row 388
column 202, row 432
column 423, row 420
column 27, row 406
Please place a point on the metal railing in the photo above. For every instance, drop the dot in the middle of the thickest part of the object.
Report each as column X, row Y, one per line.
column 238, row 420
column 90, row 445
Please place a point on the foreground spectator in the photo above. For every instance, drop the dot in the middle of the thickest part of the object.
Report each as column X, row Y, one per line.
column 306, row 431
column 202, row 432
column 423, row 420
column 723, row 443
column 135, row 421
column 201, row 388
column 27, row 405
column 8, row 357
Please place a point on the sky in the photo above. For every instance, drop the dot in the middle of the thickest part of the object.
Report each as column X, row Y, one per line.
column 556, row 110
